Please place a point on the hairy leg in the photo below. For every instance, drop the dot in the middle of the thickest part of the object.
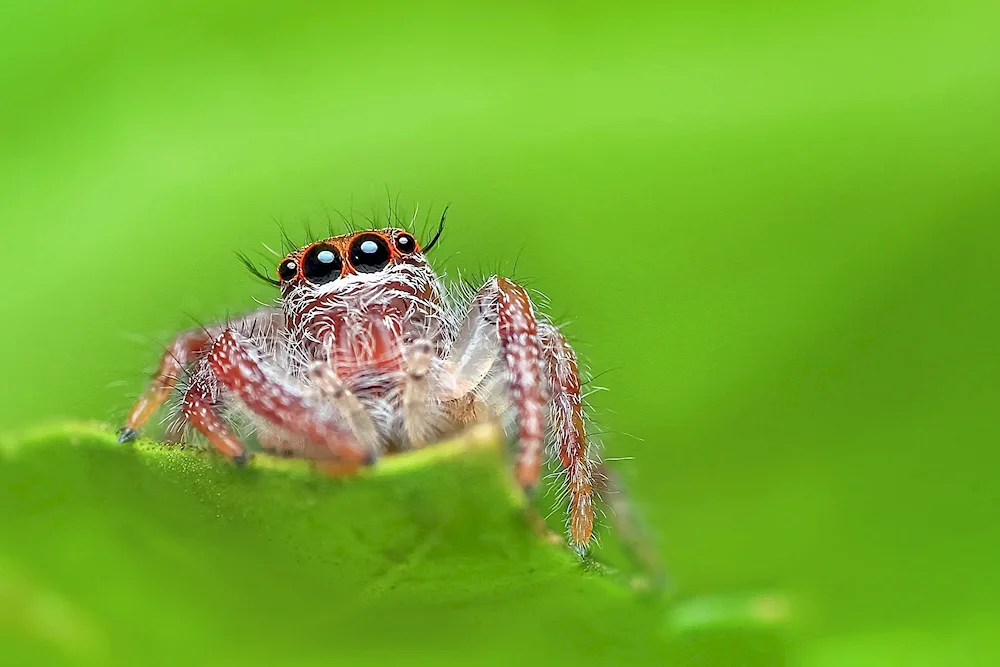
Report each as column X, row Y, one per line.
column 585, row 477
column 569, row 429
column 519, row 342
column 198, row 407
column 418, row 411
column 178, row 355
column 501, row 326
column 181, row 353
column 237, row 366
column 357, row 417
column 536, row 359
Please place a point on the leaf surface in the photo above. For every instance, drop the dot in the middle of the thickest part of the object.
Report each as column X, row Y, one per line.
column 129, row 554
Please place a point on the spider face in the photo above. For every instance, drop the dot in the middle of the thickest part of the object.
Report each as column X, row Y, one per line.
column 342, row 257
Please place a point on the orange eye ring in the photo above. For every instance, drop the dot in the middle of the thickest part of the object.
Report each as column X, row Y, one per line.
column 369, row 253
column 405, row 244
column 322, row 264
column 288, row 269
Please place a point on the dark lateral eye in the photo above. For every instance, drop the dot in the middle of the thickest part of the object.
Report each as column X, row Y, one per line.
column 369, row 253
column 405, row 244
column 321, row 264
column 287, row 270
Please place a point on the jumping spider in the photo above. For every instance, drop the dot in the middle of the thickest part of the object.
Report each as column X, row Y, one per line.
column 367, row 354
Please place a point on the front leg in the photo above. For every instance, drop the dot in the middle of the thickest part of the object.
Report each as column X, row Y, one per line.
column 502, row 322
column 235, row 365
column 517, row 329
column 183, row 351
column 538, row 364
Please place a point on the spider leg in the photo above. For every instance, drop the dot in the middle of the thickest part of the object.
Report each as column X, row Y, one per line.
column 520, row 346
column 178, row 355
column 333, row 388
column 183, row 350
column 538, row 362
column 568, row 426
column 474, row 351
column 175, row 432
column 238, row 366
column 276, row 442
column 198, row 408
column 501, row 323
column 584, row 476
column 418, row 410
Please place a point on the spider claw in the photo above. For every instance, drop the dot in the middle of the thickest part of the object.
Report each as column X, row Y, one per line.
column 126, row 435
column 241, row 459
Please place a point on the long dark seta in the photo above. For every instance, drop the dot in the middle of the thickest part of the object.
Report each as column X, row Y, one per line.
column 256, row 270
column 287, row 244
column 444, row 214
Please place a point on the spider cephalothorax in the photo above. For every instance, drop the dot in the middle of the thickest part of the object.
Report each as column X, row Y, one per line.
column 366, row 353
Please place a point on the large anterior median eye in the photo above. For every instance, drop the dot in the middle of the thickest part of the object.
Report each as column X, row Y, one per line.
column 321, row 264
column 369, row 253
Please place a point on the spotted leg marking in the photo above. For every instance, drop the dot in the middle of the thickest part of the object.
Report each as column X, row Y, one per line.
column 501, row 323
column 198, row 407
column 569, row 429
column 518, row 332
column 239, row 367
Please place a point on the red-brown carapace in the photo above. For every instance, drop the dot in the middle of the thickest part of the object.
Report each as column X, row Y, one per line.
column 367, row 353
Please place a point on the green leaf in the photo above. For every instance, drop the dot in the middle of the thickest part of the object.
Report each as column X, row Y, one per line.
column 128, row 554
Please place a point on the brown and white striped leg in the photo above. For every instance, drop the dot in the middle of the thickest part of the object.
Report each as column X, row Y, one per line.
column 534, row 356
column 518, row 332
column 234, row 364
column 198, row 408
column 569, row 429
column 182, row 352
column 502, row 322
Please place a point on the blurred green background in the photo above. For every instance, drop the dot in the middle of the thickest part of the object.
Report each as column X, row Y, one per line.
column 775, row 225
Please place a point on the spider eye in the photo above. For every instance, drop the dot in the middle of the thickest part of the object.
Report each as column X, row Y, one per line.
column 369, row 253
column 405, row 244
column 321, row 264
column 288, row 269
